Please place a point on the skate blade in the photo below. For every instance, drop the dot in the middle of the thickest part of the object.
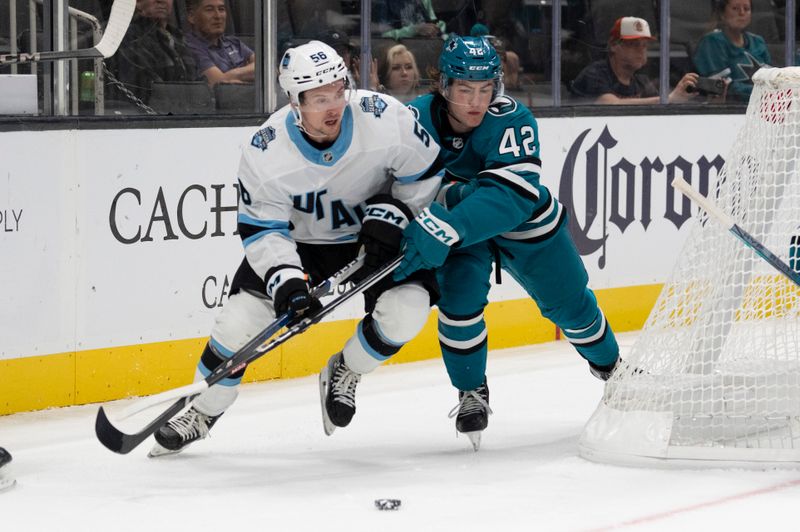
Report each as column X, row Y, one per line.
column 474, row 439
column 7, row 483
column 158, row 450
column 327, row 425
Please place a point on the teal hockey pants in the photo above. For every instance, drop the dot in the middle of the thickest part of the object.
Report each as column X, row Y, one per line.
column 553, row 275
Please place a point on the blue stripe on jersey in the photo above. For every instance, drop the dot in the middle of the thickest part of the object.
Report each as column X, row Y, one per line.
column 425, row 173
column 329, row 156
column 266, row 224
column 252, row 229
column 250, row 239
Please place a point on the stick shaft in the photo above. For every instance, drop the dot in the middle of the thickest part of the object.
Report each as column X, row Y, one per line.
column 749, row 240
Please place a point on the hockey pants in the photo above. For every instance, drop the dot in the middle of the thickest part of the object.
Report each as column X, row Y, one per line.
column 398, row 316
column 551, row 272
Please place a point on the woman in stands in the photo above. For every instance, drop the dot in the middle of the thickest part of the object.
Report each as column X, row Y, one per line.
column 398, row 73
column 729, row 52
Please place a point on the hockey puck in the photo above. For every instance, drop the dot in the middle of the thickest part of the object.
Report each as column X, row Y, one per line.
column 387, row 504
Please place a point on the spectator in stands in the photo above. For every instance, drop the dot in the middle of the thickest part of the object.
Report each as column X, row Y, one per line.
column 617, row 79
column 509, row 58
column 397, row 20
column 220, row 58
column 398, row 73
column 340, row 41
column 153, row 50
column 729, row 52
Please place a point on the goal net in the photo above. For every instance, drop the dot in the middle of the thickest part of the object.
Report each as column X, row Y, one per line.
column 714, row 377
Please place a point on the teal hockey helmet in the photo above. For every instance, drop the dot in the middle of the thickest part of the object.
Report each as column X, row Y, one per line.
column 470, row 59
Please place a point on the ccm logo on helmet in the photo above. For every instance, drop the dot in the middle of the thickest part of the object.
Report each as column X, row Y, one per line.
column 479, row 67
column 325, row 71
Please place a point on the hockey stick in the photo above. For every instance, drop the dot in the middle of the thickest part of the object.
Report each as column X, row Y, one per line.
column 728, row 222
column 118, row 22
column 258, row 341
column 122, row 443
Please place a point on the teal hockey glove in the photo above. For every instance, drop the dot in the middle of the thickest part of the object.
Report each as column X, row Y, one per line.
column 428, row 241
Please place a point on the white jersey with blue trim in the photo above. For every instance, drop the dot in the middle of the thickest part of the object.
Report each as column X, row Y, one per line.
column 291, row 191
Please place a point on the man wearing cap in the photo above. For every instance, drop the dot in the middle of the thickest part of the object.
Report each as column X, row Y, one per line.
column 617, row 79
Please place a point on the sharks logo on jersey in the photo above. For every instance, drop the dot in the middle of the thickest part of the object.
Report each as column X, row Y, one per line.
column 502, row 105
column 373, row 104
column 748, row 68
column 263, row 137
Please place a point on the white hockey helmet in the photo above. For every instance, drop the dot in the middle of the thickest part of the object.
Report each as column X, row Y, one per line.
column 309, row 66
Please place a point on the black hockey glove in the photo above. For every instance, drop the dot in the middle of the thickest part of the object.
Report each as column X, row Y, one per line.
column 381, row 232
column 291, row 294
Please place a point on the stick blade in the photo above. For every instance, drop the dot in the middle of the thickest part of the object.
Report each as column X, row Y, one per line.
column 114, row 439
column 118, row 22
column 109, row 435
column 122, row 443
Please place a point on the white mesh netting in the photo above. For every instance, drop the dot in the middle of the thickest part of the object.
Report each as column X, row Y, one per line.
column 715, row 374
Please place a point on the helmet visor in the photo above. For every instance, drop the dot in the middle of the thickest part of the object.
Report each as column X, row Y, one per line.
column 333, row 96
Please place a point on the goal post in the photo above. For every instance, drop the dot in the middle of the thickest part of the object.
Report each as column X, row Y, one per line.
column 714, row 377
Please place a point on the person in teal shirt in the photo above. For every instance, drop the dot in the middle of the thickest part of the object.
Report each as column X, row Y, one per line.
column 495, row 209
column 406, row 19
column 729, row 52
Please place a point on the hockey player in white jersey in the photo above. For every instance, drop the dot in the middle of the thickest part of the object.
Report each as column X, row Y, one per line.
column 334, row 172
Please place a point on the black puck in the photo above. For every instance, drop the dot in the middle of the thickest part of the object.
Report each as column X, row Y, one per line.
column 387, row 504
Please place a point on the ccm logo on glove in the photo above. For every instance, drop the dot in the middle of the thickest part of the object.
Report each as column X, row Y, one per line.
column 437, row 228
column 388, row 213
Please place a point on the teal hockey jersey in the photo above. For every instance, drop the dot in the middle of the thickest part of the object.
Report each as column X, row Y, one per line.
column 502, row 154
column 717, row 56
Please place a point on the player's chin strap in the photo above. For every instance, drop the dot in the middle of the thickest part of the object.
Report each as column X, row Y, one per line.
column 447, row 107
column 298, row 121
column 298, row 115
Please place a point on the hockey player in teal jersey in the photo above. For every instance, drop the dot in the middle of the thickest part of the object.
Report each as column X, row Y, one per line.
column 495, row 208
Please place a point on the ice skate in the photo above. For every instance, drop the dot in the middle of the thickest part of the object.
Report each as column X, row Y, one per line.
column 472, row 413
column 179, row 432
column 337, row 393
column 606, row 372
column 5, row 482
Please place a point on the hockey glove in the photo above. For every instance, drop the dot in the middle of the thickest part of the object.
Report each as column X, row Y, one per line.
column 453, row 193
column 428, row 241
column 381, row 232
column 289, row 290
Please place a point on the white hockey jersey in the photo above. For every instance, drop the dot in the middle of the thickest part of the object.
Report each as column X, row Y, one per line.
column 290, row 191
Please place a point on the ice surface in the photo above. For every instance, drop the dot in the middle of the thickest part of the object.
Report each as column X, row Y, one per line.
column 269, row 467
